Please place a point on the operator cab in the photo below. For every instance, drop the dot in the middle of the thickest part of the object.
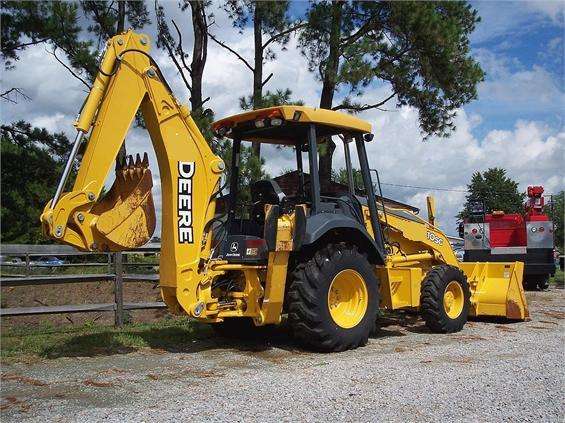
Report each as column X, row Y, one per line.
column 249, row 228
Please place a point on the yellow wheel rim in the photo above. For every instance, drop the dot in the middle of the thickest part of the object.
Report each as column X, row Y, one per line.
column 348, row 298
column 453, row 299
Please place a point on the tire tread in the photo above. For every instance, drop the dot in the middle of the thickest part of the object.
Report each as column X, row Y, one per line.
column 305, row 307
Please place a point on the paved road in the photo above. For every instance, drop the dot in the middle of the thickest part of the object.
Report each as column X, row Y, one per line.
column 491, row 371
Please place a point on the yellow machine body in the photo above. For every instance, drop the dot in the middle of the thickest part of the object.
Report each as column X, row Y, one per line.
column 124, row 218
column 496, row 288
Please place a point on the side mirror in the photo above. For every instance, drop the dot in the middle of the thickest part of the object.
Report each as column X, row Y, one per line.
column 368, row 137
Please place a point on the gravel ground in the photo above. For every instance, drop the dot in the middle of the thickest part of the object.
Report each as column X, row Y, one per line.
column 491, row 371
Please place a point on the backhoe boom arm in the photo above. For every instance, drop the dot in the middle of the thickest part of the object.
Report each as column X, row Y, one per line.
column 124, row 217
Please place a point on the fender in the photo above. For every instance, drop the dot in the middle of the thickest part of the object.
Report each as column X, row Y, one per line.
column 324, row 223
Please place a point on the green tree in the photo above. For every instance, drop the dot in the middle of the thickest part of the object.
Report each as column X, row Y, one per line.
column 498, row 191
column 556, row 214
column 341, row 177
column 271, row 24
column 192, row 74
column 175, row 49
column 270, row 99
column 251, row 167
column 43, row 22
column 56, row 24
column 32, row 162
column 421, row 49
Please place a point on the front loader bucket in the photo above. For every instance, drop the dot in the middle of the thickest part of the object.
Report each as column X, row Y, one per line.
column 127, row 213
column 496, row 289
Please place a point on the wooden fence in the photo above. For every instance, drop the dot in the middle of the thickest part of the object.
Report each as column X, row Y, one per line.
column 115, row 274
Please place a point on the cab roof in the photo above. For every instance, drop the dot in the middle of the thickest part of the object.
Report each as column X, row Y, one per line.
column 295, row 123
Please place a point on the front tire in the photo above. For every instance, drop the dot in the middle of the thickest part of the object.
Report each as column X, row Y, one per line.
column 333, row 299
column 445, row 299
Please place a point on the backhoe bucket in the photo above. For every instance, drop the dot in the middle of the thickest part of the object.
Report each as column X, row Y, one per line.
column 127, row 213
column 496, row 289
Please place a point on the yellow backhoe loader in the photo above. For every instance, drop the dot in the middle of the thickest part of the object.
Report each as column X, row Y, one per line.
column 327, row 260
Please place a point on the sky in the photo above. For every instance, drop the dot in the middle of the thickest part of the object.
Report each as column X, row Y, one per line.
column 516, row 123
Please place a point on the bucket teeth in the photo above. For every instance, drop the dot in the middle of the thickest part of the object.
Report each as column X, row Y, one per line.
column 137, row 167
column 130, row 166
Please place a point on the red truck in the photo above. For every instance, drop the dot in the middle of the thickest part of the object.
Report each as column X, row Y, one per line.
column 526, row 237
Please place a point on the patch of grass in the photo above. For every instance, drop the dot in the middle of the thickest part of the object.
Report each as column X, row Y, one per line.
column 558, row 279
column 91, row 339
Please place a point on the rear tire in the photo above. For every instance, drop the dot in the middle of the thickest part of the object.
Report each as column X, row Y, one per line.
column 445, row 299
column 333, row 299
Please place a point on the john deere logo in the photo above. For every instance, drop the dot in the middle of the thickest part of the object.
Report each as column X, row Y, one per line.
column 234, row 246
column 186, row 172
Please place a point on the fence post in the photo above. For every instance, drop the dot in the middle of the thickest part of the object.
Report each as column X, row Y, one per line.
column 118, row 289
column 28, row 270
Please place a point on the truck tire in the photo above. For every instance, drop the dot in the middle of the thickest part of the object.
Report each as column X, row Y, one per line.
column 537, row 282
column 543, row 283
column 333, row 299
column 530, row 283
column 445, row 299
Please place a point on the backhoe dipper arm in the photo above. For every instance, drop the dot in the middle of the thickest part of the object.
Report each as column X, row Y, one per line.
column 129, row 80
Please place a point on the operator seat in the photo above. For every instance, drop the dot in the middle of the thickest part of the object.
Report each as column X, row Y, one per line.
column 264, row 192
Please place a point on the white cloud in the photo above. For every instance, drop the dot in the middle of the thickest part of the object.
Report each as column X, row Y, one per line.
column 53, row 123
column 551, row 9
column 531, row 153
column 55, row 95
column 510, row 88
column 514, row 18
column 518, row 89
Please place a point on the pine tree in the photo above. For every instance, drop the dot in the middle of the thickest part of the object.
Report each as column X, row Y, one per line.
column 420, row 49
column 32, row 162
column 56, row 25
column 271, row 25
column 496, row 189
